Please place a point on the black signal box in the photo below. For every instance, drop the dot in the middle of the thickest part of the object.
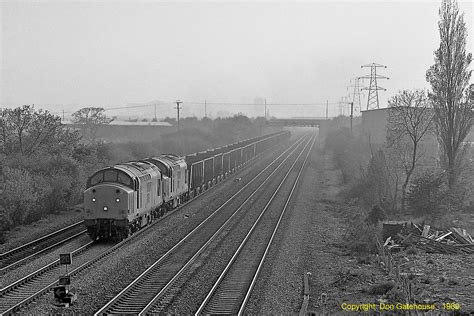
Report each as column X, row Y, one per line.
column 64, row 280
column 59, row 292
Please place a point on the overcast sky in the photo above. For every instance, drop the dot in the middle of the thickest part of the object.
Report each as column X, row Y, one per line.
column 66, row 55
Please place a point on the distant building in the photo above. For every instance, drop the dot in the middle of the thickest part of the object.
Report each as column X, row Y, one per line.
column 374, row 125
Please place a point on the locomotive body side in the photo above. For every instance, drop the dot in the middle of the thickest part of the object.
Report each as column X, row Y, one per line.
column 175, row 178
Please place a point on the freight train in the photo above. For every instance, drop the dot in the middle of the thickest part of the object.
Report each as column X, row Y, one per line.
column 121, row 199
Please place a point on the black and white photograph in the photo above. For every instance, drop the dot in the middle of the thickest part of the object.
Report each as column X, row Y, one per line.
column 257, row 157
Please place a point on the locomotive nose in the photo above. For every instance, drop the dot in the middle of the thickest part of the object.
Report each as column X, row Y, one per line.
column 106, row 201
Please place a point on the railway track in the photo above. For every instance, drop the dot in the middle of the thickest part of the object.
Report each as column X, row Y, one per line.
column 40, row 280
column 25, row 252
column 233, row 288
column 20, row 293
column 153, row 286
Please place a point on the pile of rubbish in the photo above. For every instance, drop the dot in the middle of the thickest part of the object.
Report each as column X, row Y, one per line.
column 400, row 235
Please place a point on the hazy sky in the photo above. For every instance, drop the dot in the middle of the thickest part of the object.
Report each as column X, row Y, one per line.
column 69, row 54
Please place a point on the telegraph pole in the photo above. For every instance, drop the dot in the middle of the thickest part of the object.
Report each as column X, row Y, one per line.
column 205, row 108
column 155, row 112
column 265, row 109
column 327, row 102
column 352, row 114
column 178, row 108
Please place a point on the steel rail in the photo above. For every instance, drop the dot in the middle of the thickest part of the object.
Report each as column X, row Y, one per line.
column 37, row 241
column 42, row 250
column 233, row 294
column 106, row 307
column 163, row 291
column 260, row 265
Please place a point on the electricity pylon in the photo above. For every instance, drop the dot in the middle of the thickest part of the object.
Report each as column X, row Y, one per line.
column 373, row 98
column 356, row 95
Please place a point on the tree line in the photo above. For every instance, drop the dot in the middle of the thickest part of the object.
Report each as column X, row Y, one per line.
column 44, row 164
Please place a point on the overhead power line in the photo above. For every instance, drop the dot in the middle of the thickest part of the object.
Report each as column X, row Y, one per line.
column 203, row 103
column 232, row 103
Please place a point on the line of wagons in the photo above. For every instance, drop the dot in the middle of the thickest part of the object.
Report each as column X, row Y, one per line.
column 123, row 198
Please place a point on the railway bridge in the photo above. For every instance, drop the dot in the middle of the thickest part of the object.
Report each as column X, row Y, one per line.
column 313, row 122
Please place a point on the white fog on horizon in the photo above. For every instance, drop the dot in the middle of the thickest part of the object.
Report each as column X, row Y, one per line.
column 64, row 55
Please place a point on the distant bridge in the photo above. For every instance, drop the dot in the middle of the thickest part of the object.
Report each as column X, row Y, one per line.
column 296, row 122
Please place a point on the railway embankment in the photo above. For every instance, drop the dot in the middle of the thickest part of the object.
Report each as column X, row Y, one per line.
column 317, row 237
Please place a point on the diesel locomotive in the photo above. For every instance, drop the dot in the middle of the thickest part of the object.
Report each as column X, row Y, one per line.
column 123, row 198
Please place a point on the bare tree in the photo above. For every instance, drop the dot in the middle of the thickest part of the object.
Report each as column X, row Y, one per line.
column 90, row 120
column 409, row 121
column 449, row 79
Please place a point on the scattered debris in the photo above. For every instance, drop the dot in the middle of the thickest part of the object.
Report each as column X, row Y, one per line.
column 237, row 179
column 451, row 241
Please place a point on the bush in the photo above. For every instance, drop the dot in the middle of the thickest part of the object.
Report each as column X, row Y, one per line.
column 4, row 224
column 373, row 186
column 19, row 196
column 340, row 143
column 361, row 236
column 426, row 194
column 375, row 215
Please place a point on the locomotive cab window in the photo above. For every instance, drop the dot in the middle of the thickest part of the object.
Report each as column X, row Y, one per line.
column 110, row 175
column 95, row 179
column 124, row 179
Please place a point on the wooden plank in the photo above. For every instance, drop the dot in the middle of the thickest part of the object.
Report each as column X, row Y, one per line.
column 304, row 305
column 443, row 236
column 306, row 283
column 426, row 229
column 416, row 226
column 458, row 235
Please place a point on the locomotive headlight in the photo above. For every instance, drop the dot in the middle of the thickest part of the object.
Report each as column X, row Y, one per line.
column 106, row 208
column 117, row 200
column 93, row 199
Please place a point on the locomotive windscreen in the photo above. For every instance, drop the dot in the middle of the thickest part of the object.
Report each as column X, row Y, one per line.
column 110, row 175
